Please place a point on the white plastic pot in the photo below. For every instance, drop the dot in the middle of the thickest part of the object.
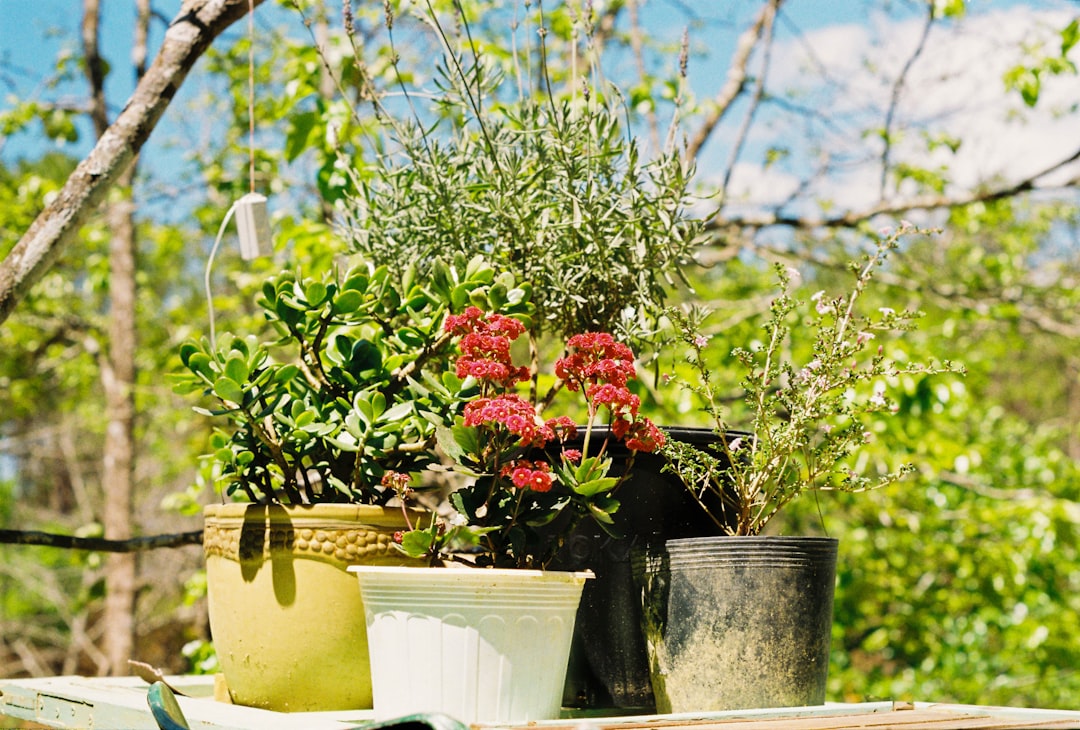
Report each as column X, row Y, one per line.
column 481, row 645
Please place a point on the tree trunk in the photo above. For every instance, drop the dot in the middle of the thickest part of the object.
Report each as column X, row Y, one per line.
column 118, row 365
column 118, row 377
column 198, row 23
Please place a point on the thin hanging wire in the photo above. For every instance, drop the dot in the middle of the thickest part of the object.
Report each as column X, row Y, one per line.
column 206, row 277
column 251, row 94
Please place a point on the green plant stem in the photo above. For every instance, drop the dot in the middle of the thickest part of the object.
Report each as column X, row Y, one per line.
column 269, row 440
column 400, row 376
column 316, row 377
column 313, row 353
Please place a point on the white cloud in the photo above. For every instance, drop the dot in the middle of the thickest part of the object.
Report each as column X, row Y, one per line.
column 836, row 84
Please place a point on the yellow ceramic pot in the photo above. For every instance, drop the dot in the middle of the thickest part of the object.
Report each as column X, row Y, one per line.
column 285, row 617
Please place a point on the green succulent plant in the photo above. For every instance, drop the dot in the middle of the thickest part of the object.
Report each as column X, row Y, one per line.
column 350, row 384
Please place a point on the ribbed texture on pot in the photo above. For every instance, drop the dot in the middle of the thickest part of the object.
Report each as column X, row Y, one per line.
column 483, row 588
column 479, row 645
column 710, row 552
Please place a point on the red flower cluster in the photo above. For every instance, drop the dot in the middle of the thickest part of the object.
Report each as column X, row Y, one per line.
column 596, row 364
column 643, row 435
column 563, row 428
column 512, row 412
column 601, row 367
column 485, row 346
column 595, row 357
column 525, row 474
column 618, row 398
column 475, row 321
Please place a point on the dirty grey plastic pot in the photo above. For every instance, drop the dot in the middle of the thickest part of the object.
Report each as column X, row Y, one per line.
column 736, row 623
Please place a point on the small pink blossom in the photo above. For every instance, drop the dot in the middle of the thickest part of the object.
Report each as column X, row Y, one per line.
column 821, row 304
column 804, row 374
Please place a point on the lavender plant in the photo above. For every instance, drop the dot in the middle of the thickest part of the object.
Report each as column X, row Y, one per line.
column 804, row 420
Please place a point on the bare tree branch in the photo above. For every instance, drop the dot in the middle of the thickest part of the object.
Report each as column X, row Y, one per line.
column 736, row 78
column 99, row 544
column 894, row 99
column 190, row 34
column 766, row 35
column 853, row 218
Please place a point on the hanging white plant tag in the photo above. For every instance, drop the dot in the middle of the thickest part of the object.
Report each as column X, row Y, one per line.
column 253, row 224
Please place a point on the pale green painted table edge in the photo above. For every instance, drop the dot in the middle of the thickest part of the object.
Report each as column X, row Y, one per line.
column 119, row 703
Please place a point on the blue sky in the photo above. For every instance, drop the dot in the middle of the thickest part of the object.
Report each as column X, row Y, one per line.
column 848, row 34
column 34, row 33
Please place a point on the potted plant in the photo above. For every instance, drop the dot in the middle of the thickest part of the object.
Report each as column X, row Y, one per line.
column 490, row 642
column 743, row 619
column 553, row 191
column 348, row 386
column 554, row 187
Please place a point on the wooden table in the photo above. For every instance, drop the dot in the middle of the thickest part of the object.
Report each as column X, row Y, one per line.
column 120, row 704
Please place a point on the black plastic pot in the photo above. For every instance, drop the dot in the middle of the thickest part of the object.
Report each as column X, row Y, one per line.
column 609, row 664
column 737, row 622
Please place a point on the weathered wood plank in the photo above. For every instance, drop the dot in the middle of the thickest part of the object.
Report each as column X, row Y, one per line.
column 851, row 717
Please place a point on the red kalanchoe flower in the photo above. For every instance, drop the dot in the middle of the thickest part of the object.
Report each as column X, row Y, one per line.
column 511, row 412
column 479, row 345
column 485, row 346
column 595, row 357
column 617, row 398
column 572, row 455
column 475, row 320
column 491, row 371
column 525, row 474
column 464, row 323
column 397, row 481
column 563, row 428
column 643, row 435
